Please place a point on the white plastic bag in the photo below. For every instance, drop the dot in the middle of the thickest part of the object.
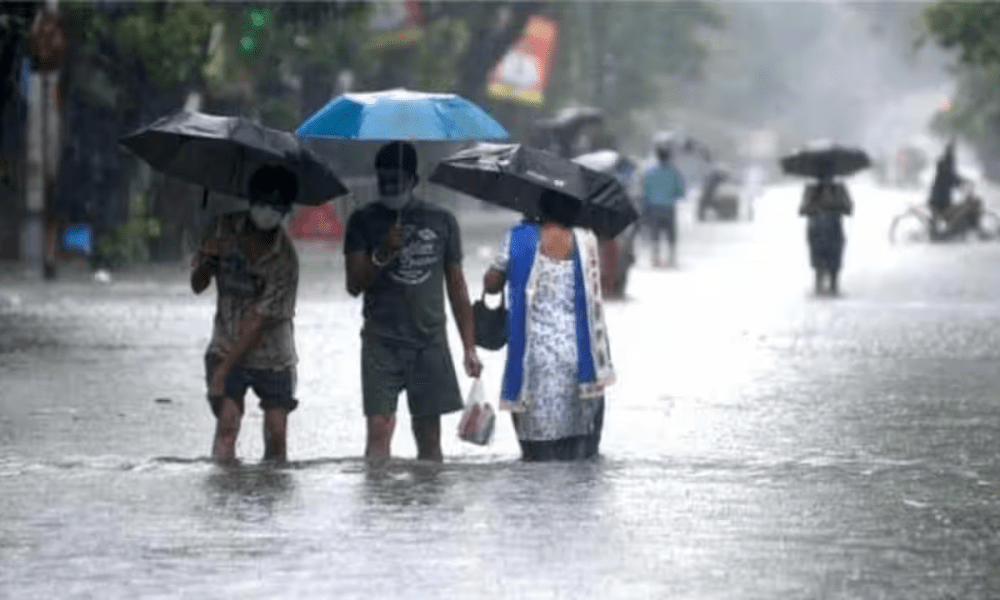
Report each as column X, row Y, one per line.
column 476, row 424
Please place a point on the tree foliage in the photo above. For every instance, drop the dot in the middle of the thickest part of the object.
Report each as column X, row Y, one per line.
column 616, row 54
column 972, row 29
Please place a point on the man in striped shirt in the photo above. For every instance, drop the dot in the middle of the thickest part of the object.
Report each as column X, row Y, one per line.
column 256, row 272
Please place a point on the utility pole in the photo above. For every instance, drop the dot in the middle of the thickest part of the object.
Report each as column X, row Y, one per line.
column 39, row 229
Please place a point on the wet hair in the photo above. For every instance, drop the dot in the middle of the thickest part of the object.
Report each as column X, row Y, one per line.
column 558, row 207
column 397, row 155
column 268, row 180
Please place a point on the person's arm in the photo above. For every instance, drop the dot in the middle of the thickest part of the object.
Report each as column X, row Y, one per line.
column 206, row 263
column 275, row 306
column 458, row 297
column 461, row 308
column 251, row 333
column 361, row 271
column 496, row 275
column 679, row 188
column 804, row 206
column 206, row 267
column 363, row 265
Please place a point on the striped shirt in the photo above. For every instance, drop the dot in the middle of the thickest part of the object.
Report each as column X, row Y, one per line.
column 270, row 284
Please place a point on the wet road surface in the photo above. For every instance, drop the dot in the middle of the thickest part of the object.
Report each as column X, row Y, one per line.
column 761, row 442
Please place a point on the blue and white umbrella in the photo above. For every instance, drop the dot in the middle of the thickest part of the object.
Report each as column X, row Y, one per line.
column 401, row 114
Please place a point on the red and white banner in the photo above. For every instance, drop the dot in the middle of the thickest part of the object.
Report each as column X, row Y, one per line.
column 523, row 73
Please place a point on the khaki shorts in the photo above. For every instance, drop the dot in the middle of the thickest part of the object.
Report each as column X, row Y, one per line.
column 427, row 374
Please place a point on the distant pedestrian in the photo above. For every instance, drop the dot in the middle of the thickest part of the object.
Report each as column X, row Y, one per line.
column 662, row 188
column 824, row 204
column 256, row 273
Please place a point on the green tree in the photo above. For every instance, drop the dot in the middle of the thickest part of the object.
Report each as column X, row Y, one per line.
column 972, row 29
column 617, row 54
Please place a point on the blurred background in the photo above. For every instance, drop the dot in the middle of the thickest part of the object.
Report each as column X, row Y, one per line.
column 738, row 83
column 761, row 441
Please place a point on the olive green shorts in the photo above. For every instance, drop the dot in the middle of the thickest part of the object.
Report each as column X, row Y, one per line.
column 427, row 374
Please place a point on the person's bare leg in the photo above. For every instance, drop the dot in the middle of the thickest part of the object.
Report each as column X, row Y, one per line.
column 378, row 444
column 427, row 433
column 819, row 281
column 227, row 427
column 834, row 287
column 275, row 435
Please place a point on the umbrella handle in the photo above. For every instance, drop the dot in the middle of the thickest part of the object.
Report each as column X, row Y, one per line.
column 204, row 199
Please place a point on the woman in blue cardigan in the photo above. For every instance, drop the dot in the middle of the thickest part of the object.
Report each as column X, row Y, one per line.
column 558, row 356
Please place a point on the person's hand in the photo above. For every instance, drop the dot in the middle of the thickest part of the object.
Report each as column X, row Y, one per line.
column 473, row 368
column 210, row 251
column 393, row 240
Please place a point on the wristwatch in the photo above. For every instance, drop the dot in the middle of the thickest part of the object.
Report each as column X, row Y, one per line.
column 379, row 263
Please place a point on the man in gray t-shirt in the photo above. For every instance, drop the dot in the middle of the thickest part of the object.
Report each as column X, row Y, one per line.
column 403, row 253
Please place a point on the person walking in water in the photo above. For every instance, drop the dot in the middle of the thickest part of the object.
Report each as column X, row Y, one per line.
column 662, row 187
column 402, row 254
column 558, row 355
column 824, row 204
column 256, row 273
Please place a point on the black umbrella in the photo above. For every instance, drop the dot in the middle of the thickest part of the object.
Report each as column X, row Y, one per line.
column 221, row 153
column 514, row 176
column 826, row 159
column 573, row 116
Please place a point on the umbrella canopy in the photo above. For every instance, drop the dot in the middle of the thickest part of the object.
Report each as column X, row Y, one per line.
column 605, row 161
column 402, row 115
column 514, row 176
column 573, row 116
column 221, row 153
column 824, row 158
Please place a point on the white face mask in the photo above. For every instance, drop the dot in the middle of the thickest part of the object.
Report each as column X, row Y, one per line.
column 265, row 217
column 395, row 201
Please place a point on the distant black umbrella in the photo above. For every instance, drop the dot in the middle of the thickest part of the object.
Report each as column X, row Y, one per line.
column 573, row 116
column 221, row 153
column 824, row 159
column 514, row 176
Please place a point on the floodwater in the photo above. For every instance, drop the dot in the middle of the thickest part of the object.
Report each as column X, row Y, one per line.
column 760, row 443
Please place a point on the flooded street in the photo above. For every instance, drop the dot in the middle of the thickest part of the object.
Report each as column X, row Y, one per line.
column 760, row 443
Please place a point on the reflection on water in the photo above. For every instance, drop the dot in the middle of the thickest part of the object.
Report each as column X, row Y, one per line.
column 248, row 493
column 405, row 483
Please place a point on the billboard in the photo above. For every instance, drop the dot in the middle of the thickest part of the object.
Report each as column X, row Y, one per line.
column 523, row 73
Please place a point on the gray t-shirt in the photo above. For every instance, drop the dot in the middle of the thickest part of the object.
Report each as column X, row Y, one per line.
column 405, row 303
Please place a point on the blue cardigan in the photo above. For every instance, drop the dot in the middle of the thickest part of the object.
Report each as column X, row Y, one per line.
column 523, row 248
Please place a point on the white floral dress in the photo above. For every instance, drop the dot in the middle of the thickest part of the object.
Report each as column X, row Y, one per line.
column 556, row 410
